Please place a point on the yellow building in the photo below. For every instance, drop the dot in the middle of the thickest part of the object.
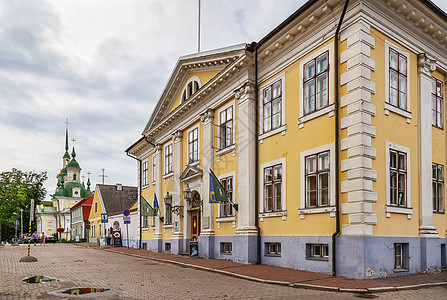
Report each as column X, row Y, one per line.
column 328, row 134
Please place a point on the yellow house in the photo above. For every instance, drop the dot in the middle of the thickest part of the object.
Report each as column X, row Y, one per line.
column 327, row 134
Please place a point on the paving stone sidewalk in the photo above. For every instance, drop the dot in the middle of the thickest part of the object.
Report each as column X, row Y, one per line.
column 286, row 276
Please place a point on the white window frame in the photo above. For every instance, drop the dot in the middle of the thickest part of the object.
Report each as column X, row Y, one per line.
column 154, row 169
column 282, row 127
column 331, row 87
column 283, row 213
column 92, row 231
column 437, row 182
column 145, row 173
column 230, row 147
column 166, row 172
column 392, row 209
column 314, row 210
column 197, row 126
column 228, row 218
column 388, row 107
column 145, row 219
column 193, row 78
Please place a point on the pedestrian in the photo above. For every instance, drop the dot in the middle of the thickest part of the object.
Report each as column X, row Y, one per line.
column 34, row 236
column 42, row 239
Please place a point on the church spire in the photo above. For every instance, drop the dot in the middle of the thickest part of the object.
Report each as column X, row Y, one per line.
column 66, row 157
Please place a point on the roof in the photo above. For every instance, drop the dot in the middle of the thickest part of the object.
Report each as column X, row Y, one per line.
column 73, row 164
column 117, row 200
column 86, row 201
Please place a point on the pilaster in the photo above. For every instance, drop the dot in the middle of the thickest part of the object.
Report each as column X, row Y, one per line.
column 425, row 68
column 206, row 238
column 158, row 163
column 177, row 196
column 358, row 129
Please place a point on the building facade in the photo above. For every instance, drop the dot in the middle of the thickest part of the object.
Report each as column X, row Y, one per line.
column 328, row 134
column 79, row 219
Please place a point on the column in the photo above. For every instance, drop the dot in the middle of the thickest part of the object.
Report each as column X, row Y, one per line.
column 245, row 237
column 177, row 236
column 425, row 67
column 206, row 238
column 158, row 236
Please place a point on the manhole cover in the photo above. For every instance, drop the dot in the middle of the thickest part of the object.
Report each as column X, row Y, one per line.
column 83, row 291
column 39, row 279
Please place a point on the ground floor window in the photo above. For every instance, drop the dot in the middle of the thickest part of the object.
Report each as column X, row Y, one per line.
column 145, row 221
column 92, row 231
column 317, row 251
column 226, row 248
column 168, row 247
column 273, row 249
column 401, row 257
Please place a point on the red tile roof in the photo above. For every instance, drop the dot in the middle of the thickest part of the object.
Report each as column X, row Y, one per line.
column 86, row 206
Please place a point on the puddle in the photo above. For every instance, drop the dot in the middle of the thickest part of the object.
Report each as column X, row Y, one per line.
column 83, row 291
column 39, row 279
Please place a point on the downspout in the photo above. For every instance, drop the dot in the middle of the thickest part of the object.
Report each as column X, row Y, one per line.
column 139, row 192
column 337, row 145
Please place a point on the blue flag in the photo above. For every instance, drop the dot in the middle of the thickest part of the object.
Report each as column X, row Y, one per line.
column 156, row 207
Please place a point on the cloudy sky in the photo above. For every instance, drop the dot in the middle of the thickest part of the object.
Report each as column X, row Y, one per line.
column 103, row 65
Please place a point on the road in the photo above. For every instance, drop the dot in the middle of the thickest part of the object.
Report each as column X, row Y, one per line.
column 130, row 277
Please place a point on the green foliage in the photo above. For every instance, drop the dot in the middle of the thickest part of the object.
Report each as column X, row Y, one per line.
column 47, row 204
column 16, row 190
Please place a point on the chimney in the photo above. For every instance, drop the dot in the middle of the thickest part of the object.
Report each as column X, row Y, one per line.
column 119, row 187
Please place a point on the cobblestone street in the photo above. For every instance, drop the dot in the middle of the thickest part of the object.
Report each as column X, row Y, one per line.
column 139, row 278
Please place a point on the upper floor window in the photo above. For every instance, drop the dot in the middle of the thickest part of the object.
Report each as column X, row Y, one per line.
column 226, row 208
column 168, row 159
column 154, row 169
column 74, row 176
column 272, row 97
column 398, row 178
column 317, row 179
column 437, row 103
column 438, row 187
column 193, row 145
column 272, row 188
column 168, row 213
column 316, row 77
column 226, row 127
column 190, row 88
column 398, row 79
column 96, row 207
column 145, row 173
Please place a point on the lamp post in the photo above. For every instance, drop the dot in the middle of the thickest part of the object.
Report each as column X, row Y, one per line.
column 21, row 223
column 31, row 219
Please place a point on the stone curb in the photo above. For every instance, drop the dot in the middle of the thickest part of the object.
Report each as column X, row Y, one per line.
column 285, row 283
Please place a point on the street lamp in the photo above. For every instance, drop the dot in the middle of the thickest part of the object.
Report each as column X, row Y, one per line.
column 30, row 258
column 187, row 193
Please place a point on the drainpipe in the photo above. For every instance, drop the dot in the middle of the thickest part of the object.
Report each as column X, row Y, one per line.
column 337, row 143
column 139, row 191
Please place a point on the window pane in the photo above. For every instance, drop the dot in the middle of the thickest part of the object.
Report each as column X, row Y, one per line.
column 309, row 70
column 321, row 91
column 276, row 120
column 402, row 92
column 311, row 190
column 229, row 113
column 223, row 117
column 311, row 164
column 268, row 197
column 312, row 198
column 323, row 187
column 267, row 115
column 402, row 184
column 321, row 63
column 393, row 79
column 434, row 198
column 402, row 64
column 440, row 197
column 277, row 193
column 267, row 95
column 393, row 159
column 277, row 89
column 402, row 162
column 434, row 171
column 268, row 175
column 439, row 88
column 276, row 106
column 393, row 60
column 441, row 173
column 323, row 161
column 433, row 86
column 277, row 173
column 229, row 133
column 439, row 117
column 393, row 188
column 309, row 96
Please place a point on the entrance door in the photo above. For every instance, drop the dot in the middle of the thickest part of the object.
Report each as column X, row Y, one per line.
column 194, row 225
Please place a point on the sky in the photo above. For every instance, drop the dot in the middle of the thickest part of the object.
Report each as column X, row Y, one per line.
column 103, row 64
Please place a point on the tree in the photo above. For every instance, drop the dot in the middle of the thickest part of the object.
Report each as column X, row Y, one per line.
column 16, row 190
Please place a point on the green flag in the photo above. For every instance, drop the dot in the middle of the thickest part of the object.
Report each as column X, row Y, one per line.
column 217, row 191
column 147, row 209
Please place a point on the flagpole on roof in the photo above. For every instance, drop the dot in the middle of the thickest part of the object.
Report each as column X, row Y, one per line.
column 198, row 34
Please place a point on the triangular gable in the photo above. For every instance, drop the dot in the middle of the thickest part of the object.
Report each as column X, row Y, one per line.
column 190, row 172
column 217, row 59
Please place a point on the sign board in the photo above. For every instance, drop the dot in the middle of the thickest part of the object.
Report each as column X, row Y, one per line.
column 104, row 218
column 206, row 222
column 193, row 249
column 117, row 239
column 176, row 226
column 16, row 223
column 126, row 212
column 126, row 220
column 77, row 238
column 31, row 212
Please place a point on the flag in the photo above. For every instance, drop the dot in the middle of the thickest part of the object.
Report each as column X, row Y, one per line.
column 217, row 191
column 148, row 210
column 156, row 207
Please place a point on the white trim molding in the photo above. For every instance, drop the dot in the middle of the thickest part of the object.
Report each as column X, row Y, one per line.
column 231, row 148
column 197, row 126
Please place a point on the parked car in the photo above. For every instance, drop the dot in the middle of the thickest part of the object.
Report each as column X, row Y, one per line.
column 48, row 239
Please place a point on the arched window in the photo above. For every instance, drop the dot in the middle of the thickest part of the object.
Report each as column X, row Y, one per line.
column 190, row 88
column 74, row 176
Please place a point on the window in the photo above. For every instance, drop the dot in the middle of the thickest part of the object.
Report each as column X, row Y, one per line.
column 145, row 221
column 273, row 249
column 437, row 103
column 168, row 247
column 74, row 176
column 318, row 251
column 401, row 257
column 190, row 88
column 226, row 209
column 272, row 99
column 398, row 178
column 154, row 169
column 100, row 231
column 168, row 159
column 316, row 77
column 193, row 145
column 317, row 179
column 398, row 79
column 438, row 187
column 145, row 173
column 226, row 127
column 92, row 231
column 168, row 214
column 226, row 248
column 96, row 207
column 272, row 188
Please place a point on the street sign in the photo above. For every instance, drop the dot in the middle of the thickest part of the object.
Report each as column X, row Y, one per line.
column 126, row 220
column 104, row 218
column 126, row 212
column 16, row 223
column 31, row 212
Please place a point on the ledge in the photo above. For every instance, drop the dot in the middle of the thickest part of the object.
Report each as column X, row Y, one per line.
column 404, row 113
column 225, row 219
column 168, row 225
column 316, row 114
column 281, row 129
column 226, row 150
column 273, row 214
column 399, row 210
